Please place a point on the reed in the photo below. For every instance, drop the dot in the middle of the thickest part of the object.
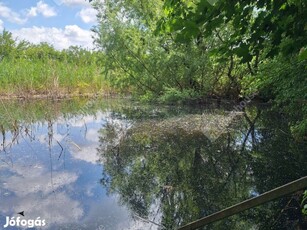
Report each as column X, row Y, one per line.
column 24, row 77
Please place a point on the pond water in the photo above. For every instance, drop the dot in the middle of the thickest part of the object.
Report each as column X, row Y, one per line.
column 117, row 164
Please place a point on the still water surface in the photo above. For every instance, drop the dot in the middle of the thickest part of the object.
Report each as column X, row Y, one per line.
column 117, row 164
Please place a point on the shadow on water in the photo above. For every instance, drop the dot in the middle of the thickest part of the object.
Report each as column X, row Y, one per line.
column 118, row 164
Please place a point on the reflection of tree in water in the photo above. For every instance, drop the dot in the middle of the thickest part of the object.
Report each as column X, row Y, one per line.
column 173, row 176
column 276, row 159
column 159, row 169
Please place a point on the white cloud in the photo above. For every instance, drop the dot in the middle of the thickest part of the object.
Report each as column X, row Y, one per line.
column 92, row 135
column 14, row 17
column 88, row 154
column 32, row 12
column 56, row 208
column 31, row 190
column 43, row 9
column 88, row 15
column 27, row 182
column 1, row 25
column 80, row 121
column 73, row 2
column 71, row 35
column 10, row 15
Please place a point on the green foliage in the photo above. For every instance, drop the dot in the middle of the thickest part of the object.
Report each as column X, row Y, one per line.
column 149, row 65
column 168, row 49
column 27, row 69
column 303, row 54
column 285, row 81
column 262, row 43
column 278, row 26
column 7, row 45
column 172, row 95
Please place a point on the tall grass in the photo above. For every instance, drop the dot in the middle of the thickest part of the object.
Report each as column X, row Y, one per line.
column 23, row 77
column 39, row 69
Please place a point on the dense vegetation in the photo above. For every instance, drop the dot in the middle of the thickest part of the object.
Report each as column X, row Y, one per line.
column 28, row 69
column 170, row 51
column 186, row 50
column 183, row 48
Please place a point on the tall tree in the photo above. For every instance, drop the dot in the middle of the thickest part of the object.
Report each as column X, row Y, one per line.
column 153, row 65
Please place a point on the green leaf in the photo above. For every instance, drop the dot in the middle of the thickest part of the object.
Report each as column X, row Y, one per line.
column 283, row 6
column 243, row 51
column 303, row 54
column 177, row 24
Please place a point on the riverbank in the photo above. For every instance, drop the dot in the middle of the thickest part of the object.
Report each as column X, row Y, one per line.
column 58, row 95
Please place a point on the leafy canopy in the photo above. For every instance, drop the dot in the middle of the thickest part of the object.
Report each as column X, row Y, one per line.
column 275, row 25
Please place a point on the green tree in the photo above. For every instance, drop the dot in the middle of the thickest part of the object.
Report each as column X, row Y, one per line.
column 7, row 45
column 266, row 35
column 278, row 26
column 150, row 65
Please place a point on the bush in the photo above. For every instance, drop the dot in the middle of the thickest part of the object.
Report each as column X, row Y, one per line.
column 173, row 95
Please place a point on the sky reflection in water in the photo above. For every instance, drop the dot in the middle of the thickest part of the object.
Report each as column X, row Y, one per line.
column 59, row 180
column 173, row 165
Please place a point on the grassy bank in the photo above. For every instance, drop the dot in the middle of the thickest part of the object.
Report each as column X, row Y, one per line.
column 24, row 77
column 28, row 70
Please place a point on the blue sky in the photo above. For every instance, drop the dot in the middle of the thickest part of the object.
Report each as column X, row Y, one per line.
column 60, row 22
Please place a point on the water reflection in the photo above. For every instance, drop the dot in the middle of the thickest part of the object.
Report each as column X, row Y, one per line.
column 173, row 173
column 122, row 165
column 49, row 169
